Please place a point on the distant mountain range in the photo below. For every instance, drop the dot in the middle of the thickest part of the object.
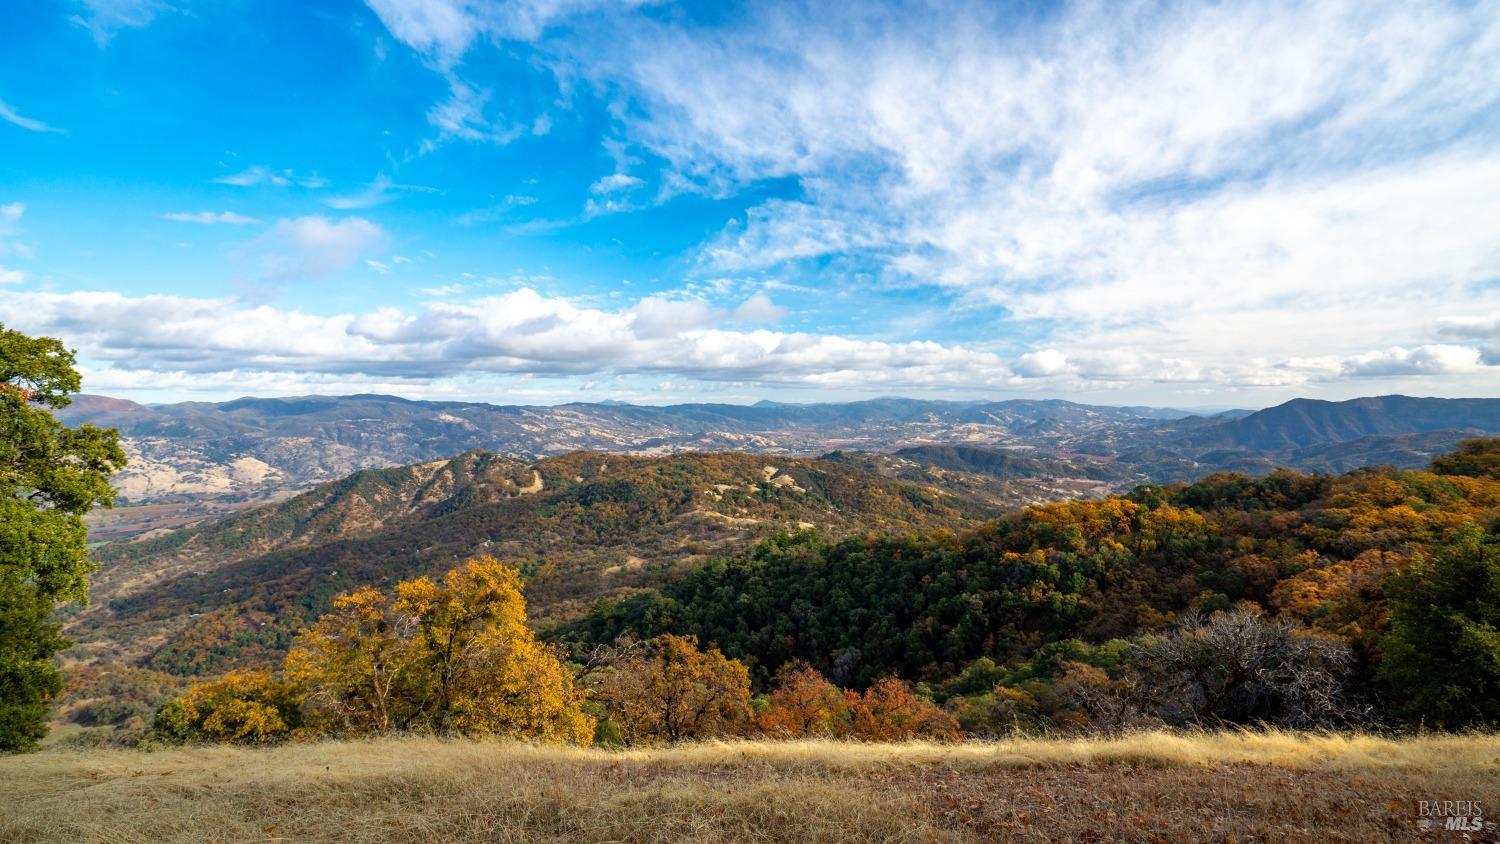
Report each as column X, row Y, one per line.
column 200, row 458
column 1301, row 423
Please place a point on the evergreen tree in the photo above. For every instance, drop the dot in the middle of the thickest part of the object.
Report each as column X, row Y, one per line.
column 1442, row 655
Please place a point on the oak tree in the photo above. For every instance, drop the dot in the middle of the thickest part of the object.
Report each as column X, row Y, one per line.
column 449, row 657
column 667, row 689
column 804, row 704
column 50, row 476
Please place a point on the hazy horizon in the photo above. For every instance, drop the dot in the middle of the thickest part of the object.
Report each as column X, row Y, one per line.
column 1201, row 410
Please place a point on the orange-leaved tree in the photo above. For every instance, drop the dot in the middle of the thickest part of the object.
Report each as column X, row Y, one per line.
column 890, row 711
column 667, row 689
column 449, row 657
column 804, row 704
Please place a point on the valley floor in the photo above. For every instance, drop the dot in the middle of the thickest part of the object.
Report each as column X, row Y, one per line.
column 1145, row 787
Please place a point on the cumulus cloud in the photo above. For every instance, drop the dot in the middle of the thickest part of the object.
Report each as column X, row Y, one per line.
column 521, row 332
column 526, row 334
column 1042, row 364
column 1423, row 360
column 209, row 218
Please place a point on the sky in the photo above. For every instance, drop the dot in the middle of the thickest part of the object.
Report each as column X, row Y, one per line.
column 1177, row 204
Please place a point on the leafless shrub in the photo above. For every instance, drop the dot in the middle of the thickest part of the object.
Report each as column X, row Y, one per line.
column 1240, row 668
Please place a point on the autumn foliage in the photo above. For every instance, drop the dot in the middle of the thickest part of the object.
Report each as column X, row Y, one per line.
column 245, row 707
column 804, row 704
column 455, row 657
column 667, row 689
column 890, row 711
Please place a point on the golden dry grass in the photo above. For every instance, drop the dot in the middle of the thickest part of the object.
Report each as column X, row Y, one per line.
column 1148, row 786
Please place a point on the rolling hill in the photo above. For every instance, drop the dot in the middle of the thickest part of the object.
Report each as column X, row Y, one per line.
column 199, row 459
column 258, row 447
column 581, row 526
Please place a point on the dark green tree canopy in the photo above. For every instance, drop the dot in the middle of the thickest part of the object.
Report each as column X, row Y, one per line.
column 50, row 476
column 1442, row 655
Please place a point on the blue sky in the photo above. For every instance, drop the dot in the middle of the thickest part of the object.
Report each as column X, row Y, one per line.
column 553, row 200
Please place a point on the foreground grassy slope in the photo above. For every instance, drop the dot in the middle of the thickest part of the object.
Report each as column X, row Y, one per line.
column 1144, row 787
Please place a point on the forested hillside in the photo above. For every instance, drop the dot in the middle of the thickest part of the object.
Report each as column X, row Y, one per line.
column 1046, row 617
column 230, row 592
column 1018, row 601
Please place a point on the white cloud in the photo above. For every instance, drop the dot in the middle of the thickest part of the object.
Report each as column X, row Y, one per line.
column 377, row 266
column 256, row 175
column 378, row 192
column 526, row 333
column 104, row 18
column 10, row 115
column 615, row 182
column 210, row 218
column 316, row 246
column 10, row 244
column 1041, row 364
column 1423, row 360
column 759, row 308
column 9, row 276
column 462, row 116
column 262, row 175
column 518, row 332
column 1228, row 191
column 443, row 30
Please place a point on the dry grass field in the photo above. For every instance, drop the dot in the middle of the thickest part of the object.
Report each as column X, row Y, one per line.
column 1251, row 786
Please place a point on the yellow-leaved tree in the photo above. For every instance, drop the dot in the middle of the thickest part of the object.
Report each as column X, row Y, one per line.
column 247, row 707
column 449, row 657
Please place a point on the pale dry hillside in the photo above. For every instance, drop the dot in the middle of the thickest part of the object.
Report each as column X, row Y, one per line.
column 1147, row 787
